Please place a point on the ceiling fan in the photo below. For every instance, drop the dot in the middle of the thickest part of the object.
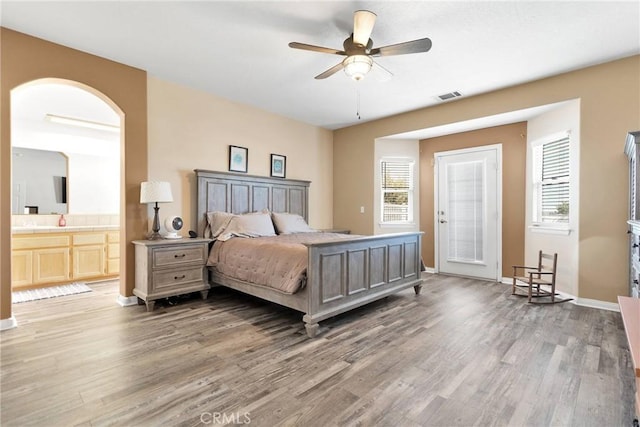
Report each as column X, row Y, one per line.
column 359, row 50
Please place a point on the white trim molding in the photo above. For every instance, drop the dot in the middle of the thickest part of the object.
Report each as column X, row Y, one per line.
column 410, row 225
column 542, row 229
column 127, row 301
column 594, row 303
column 9, row 323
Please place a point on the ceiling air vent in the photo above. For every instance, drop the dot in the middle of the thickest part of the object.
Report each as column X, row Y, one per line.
column 450, row 95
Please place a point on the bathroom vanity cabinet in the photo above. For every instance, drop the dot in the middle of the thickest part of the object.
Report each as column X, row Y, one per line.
column 62, row 256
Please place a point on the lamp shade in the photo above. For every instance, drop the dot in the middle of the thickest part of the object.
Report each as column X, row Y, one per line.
column 356, row 66
column 155, row 192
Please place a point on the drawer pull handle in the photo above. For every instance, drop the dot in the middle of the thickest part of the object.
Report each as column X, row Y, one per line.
column 179, row 277
column 180, row 256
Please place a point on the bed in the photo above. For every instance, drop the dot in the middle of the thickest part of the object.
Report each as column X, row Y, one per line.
column 341, row 274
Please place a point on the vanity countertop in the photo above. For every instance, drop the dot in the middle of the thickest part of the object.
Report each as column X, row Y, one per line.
column 67, row 229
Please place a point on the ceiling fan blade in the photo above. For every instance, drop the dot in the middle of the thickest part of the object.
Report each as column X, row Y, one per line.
column 414, row 46
column 331, row 71
column 363, row 21
column 313, row 48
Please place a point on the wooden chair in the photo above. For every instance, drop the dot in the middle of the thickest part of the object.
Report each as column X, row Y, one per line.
column 536, row 279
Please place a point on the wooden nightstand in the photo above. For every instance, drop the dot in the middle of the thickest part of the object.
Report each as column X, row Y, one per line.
column 167, row 268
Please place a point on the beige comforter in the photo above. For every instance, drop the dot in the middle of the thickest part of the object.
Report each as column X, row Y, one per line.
column 278, row 262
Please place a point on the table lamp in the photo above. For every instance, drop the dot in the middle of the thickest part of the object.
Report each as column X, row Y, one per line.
column 155, row 192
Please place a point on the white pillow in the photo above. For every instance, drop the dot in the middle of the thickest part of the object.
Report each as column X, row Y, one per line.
column 287, row 223
column 255, row 224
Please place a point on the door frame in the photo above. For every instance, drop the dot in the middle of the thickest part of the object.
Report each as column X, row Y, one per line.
column 436, row 194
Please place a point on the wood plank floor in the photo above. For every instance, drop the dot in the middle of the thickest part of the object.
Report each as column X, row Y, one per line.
column 463, row 353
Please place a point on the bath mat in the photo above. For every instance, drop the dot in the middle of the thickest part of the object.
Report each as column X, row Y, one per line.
column 52, row 292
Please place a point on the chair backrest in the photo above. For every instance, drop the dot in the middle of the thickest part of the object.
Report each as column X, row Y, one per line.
column 548, row 262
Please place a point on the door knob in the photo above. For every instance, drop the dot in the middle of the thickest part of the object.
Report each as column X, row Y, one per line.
column 442, row 221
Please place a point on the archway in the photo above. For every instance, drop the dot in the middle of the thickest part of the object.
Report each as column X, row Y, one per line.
column 53, row 116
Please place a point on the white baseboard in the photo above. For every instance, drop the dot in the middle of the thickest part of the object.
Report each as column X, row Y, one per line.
column 585, row 302
column 429, row 270
column 127, row 301
column 9, row 323
column 594, row 303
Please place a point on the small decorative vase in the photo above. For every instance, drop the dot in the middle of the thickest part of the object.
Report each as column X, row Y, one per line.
column 62, row 222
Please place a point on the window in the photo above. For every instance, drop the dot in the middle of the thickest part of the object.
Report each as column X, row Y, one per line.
column 396, row 177
column 551, row 193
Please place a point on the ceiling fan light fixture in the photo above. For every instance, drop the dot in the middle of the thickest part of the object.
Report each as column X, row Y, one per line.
column 357, row 66
column 358, row 49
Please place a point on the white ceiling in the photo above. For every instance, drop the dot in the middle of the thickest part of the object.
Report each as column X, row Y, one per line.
column 238, row 49
column 29, row 128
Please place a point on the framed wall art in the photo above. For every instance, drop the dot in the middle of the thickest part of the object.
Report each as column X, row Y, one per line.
column 278, row 166
column 238, row 159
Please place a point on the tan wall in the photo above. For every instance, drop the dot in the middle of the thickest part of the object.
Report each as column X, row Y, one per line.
column 514, row 149
column 562, row 118
column 610, row 107
column 24, row 59
column 189, row 130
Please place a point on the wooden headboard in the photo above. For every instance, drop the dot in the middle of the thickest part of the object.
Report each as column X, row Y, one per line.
column 241, row 193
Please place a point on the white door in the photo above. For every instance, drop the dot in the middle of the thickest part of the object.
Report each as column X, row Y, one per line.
column 468, row 212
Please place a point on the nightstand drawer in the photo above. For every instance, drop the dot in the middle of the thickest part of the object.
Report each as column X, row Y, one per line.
column 170, row 279
column 167, row 257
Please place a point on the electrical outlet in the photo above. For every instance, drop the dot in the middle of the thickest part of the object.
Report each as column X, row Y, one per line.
column 361, row 209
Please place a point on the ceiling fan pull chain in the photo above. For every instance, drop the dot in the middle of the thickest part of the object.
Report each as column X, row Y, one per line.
column 358, row 102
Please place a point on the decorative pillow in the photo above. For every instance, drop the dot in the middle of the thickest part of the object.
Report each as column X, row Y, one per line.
column 253, row 224
column 217, row 221
column 287, row 223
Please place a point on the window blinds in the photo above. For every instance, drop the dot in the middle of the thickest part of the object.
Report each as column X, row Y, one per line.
column 555, row 181
column 466, row 205
column 396, row 183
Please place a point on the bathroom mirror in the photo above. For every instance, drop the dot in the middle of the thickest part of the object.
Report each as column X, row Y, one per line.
column 39, row 182
column 52, row 182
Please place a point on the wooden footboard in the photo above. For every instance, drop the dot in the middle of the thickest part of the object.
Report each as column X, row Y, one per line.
column 345, row 274
column 348, row 274
column 341, row 275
